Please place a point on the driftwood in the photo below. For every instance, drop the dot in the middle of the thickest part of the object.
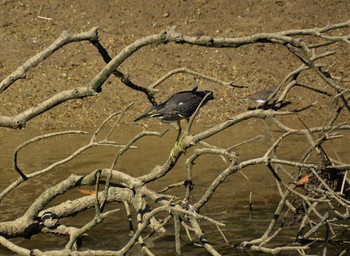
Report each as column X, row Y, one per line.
column 316, row 195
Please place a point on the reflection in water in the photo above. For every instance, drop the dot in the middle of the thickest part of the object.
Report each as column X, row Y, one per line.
column 229, row 205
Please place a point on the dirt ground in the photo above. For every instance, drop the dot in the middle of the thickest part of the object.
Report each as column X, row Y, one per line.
column 29, row 26
column 23, row 34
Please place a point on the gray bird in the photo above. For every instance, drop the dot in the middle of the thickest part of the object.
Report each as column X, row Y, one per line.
column 262, row 96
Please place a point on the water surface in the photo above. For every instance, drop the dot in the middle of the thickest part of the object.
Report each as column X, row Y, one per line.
column 229, row 205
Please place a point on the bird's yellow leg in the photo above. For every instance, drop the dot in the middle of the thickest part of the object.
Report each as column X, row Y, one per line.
column 177, row 142
column 179, row 131
column 179, row 137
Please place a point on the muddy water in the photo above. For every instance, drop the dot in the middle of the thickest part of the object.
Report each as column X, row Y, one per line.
column 230, row 204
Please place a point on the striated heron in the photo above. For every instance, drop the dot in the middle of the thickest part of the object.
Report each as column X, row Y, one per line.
column 181, row 105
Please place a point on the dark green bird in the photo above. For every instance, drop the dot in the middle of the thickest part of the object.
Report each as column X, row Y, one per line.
column 178, row 106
